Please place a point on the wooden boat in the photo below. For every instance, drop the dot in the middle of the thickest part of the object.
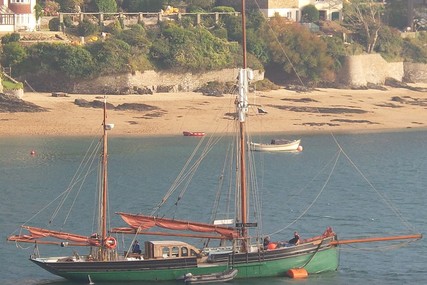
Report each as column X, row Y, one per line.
column 193, row 134
column 277, row 145
column 224, row 276
column 241, row 239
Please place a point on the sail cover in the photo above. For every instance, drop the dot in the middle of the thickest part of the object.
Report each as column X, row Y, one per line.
column 39, row 233
column 142, row 222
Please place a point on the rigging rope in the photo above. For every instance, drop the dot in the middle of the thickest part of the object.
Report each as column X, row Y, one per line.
column 383, row 196
column 76, row 178
column 316, row 198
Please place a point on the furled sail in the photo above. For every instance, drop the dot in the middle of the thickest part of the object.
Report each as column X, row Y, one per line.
column 39, row 233
column 143, row 222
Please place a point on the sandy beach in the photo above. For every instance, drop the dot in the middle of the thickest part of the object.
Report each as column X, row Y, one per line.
column 321, row 110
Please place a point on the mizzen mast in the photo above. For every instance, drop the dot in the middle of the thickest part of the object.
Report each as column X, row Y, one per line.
column 104, row 184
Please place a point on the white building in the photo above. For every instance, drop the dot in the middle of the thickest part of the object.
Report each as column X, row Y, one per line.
column 291, row 9
column 17, row 15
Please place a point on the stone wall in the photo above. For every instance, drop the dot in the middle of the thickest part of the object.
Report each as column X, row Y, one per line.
column 156, row 81
column 415, row 72
column 359, row 70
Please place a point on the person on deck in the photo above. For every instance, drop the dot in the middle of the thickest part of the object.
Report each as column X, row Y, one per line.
column 266, row 242
column 136, row 248
column 295, row 240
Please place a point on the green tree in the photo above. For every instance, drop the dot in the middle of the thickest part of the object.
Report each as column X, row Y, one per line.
column 336, row 50
column 70, row 6
column 75, row 62
column 396, row 13
column 110, row 57
column 143, row 5
column 135, row 36
column 13, row 54
column 389, row 44
column 106, row 6
column 298, row 52
column 364, row 17
column 87, row 28
column 414, row 49
column 193, row 49
column 38, row 12
column 309, row 14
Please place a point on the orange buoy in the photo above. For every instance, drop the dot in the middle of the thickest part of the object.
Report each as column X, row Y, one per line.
column 272, row 245
column 297, row 273
column 300, row 148
column 33, row 152
column 110, row 243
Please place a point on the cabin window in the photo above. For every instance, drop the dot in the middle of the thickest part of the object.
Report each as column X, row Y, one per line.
column 193, row 253
column 165, row 252
column 184, row 251
column 175, row 251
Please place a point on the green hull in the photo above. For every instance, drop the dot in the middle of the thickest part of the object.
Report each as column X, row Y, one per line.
column 321, row 261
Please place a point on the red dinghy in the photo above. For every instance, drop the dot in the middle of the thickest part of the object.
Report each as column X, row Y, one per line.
column 193, row 134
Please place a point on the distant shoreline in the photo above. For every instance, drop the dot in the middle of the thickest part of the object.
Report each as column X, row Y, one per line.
column 288, row 112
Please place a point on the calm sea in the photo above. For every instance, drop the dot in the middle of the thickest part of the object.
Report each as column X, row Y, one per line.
column 378, row 187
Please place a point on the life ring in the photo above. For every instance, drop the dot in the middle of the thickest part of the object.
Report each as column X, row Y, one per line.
column 110, row 243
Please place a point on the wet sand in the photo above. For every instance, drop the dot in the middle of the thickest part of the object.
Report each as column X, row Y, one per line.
column 322, row 110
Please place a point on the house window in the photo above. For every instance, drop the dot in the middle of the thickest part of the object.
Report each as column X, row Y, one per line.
column 322, row 15
column 335, row 16
column 289, row 15
column 22, row 19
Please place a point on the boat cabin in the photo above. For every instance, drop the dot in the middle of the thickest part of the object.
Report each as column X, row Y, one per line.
column 169, row 249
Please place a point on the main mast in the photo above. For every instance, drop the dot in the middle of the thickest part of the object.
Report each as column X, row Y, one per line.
column 104, row 189
column 242, row 110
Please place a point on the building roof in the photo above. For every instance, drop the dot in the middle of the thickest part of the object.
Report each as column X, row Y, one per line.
column 5, row 10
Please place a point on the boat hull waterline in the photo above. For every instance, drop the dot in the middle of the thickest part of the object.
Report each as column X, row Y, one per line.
column 269, row 264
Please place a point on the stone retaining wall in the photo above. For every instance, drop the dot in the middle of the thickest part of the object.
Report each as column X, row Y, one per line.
column 358, row 70
column 415, row 72
column 156, row 81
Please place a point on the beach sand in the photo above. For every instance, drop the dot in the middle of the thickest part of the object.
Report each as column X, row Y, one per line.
column 321, row 110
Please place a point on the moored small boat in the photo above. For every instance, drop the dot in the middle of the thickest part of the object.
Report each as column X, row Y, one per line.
column 193, row 134
column 210, row 278
column 277, row 145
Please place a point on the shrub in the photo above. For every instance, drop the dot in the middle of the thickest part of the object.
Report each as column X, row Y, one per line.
column 13, row 53
column 68, row 22
column 111, row 56
column 75, row 62
column 106, row 6
column 223, row 9
column 113, row 28
column 54, row 24
column 265, row 85
column 389, row 44
column 87, row 28
column 10, row 38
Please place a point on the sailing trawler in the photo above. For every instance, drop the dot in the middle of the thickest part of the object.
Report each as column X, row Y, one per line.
column 242, row 247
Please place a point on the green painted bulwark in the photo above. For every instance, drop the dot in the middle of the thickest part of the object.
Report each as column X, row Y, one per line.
column 315, row 262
